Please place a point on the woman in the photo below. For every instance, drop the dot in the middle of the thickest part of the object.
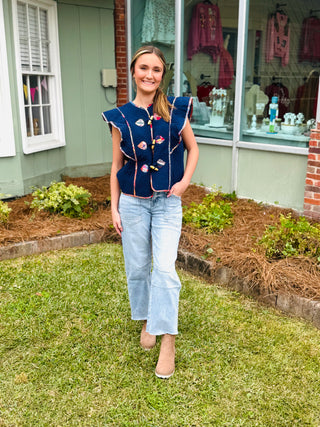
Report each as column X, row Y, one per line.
column 147, row 179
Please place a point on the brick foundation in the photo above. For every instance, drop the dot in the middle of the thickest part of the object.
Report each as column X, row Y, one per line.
column 121, row 51
column 312, row 187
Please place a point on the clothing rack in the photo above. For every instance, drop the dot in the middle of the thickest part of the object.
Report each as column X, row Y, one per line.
column 202, row 76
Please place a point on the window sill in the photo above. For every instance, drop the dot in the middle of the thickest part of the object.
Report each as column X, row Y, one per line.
column 34, row 145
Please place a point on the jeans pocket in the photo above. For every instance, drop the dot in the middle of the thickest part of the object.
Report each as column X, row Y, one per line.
column 173, row 209
column 129, row 209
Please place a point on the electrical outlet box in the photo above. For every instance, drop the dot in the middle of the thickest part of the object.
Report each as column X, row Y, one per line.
column 109, row 77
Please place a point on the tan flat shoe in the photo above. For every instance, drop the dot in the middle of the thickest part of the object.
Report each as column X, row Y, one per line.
column 147, row 341
column 165, row 366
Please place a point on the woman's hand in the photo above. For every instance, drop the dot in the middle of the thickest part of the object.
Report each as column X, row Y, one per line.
column 178, row 188
column 191, row 146
column 116, row 221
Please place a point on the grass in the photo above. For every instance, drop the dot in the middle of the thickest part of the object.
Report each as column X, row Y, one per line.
column 70, row 355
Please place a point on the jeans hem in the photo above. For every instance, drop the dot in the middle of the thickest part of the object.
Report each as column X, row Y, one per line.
column 157, row 333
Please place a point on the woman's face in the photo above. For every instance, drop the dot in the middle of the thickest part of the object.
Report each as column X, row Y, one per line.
column 148, row 72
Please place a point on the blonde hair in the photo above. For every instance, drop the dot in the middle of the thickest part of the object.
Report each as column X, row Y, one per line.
column 161, row 105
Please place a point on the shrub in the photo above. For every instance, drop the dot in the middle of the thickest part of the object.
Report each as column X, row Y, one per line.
column 213, row 214
column 69, row 201
column 292, row 237
column 4, row 212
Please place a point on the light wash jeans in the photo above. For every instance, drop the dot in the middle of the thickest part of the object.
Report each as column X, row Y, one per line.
column 150, row 238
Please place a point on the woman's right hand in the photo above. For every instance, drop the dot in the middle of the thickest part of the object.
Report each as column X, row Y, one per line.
column 116, row 221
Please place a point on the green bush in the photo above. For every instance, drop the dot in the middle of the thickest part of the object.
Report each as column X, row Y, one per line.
column 292, row 237
column 69, row 201
column 4, row 212
column 213, row 214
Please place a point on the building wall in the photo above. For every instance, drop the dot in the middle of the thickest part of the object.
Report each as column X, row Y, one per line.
column 273, row 178
column 86, row 47
column 86, row 38
column 20, row 172
column 214, row 167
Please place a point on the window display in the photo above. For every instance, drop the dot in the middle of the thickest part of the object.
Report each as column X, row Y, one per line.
column 280, row 47
column 287, row 72
column 210, row 46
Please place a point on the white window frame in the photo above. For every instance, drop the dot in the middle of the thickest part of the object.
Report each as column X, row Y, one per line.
column 7, row 145
column 56, row 138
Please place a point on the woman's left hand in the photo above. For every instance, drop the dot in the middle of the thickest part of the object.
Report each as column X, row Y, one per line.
column 178, row 189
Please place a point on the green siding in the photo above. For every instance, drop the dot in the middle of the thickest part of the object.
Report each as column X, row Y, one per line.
column 272, row 177
column 86, row 37
column 214, row 167
column 86, row 47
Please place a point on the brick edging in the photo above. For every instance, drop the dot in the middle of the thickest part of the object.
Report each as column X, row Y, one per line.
column 35, row 247
column 289, row 304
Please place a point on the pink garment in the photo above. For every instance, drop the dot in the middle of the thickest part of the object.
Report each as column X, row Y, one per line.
column 205, row 33
column 278, row 38
column 226, row 69
column 310, row 40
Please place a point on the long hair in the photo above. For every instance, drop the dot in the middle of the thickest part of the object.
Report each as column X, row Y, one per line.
column 161, row 105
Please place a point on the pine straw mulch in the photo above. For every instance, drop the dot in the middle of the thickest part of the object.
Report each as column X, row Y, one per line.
column 235, row 247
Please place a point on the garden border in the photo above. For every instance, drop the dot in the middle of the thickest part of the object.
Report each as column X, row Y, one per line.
column 288, row 303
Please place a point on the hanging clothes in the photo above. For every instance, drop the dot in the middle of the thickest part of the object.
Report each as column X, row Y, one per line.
column 282, row 92
column 159, row 22
column 299, row 95
column 226, row 69
column 205, row 33
column 278, row 38
column 310, row 40
column 309, row 98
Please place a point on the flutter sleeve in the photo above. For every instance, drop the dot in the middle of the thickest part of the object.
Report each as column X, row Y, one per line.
column 181, row 112
column 115, row 118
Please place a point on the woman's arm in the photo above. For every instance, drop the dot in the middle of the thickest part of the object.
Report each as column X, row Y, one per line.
column 117, row 163
column 192, row 158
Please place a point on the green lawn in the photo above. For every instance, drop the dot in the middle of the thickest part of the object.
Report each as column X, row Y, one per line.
column 70, row 355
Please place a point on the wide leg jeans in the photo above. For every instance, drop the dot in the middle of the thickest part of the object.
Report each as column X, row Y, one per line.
column 150, row 239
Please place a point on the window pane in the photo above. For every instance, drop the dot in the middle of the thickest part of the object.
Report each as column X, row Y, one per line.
column 33, row 37
column 34, row 90
column 23, row 36
column 36, row 121
column 46, row 120
column 153, row 22
column 282, row 72
column 36, row 94
column 44, row 40
column 210, row 41
column 44, row 90
column 28, row 120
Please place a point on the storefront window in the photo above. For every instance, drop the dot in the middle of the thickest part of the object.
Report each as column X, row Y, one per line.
column 153, row 22
column 282, row 72
column 277, row 87
column 210, row 47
